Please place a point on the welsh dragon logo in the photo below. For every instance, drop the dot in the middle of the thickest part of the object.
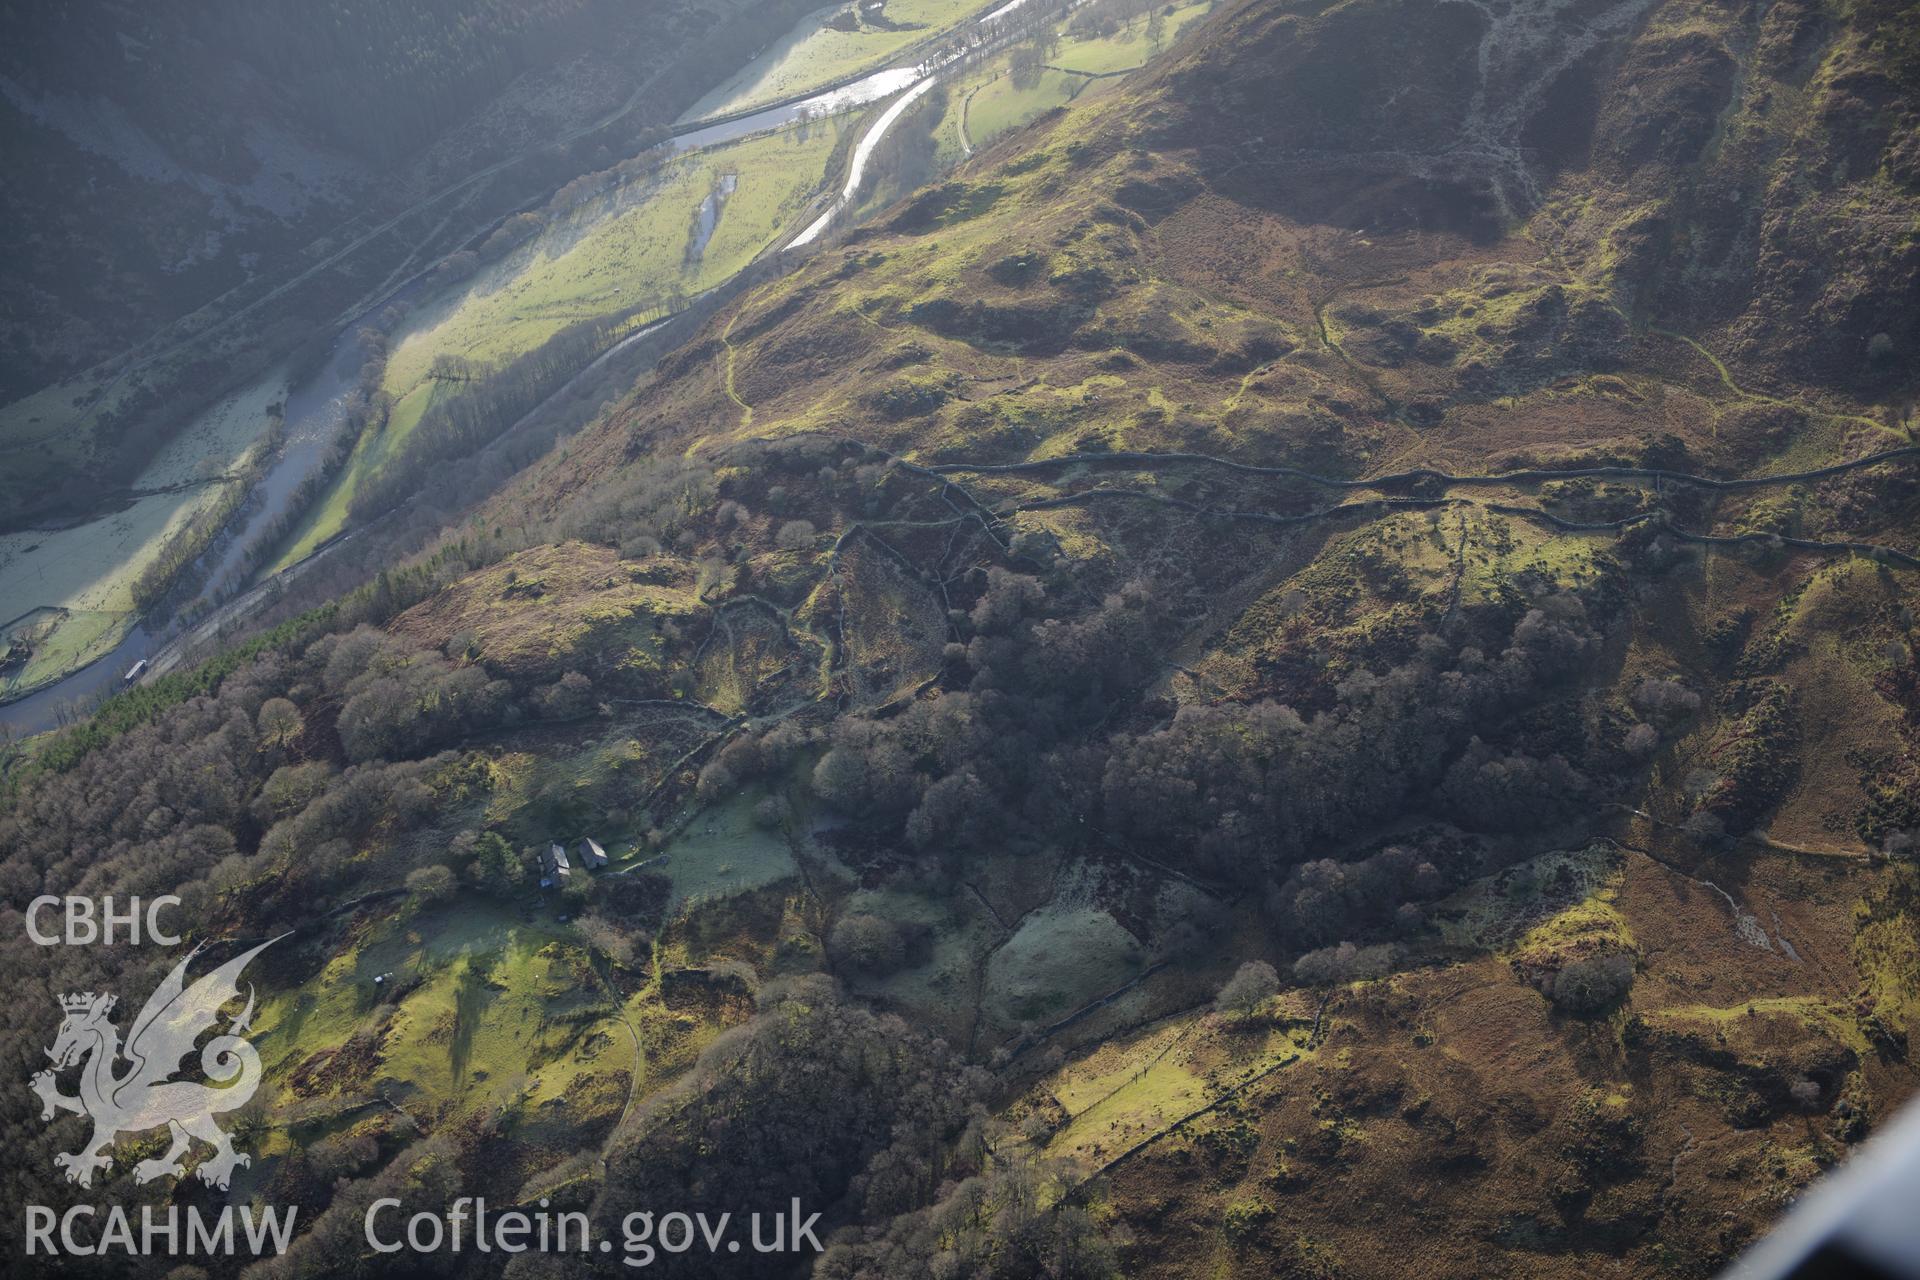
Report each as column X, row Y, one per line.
column 142, row 1097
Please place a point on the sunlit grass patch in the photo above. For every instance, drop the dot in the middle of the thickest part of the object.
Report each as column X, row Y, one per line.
column 1539, row 899
column 1818, row 1014
column 621, row 253
column 477, row 1008
column 1138, row 1085
column 1001, row 105
column 1886, row 949
column 1592, row 926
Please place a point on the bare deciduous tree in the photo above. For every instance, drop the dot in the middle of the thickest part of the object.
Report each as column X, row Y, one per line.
column 1251, row 986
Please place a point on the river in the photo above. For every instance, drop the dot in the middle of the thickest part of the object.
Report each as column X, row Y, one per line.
column 857, row 170
column 316, row 410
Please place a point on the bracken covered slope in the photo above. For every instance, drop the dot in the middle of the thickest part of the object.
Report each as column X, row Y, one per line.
column 1374, row 242
column 1418, row 495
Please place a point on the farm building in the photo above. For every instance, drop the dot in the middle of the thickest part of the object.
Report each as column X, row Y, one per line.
column 590, row 854
column 554, row 866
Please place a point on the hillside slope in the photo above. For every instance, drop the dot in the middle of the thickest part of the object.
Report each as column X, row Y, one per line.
column 1364, row 241
column 206, row 142
column 1412, row 495
column 202, row 194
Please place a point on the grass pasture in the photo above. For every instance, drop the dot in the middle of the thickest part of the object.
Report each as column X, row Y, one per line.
column 724, row 852
column 483, row 1011
column 999, row 106
column 620, row 253
column 1127, row 49
column 1061, row 958
column 44, row 436
column 623, row 254
column 78, row 637
column 480, row 1013
column 987, row 104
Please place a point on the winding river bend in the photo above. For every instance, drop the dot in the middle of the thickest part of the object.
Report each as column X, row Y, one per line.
column 316, row 410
